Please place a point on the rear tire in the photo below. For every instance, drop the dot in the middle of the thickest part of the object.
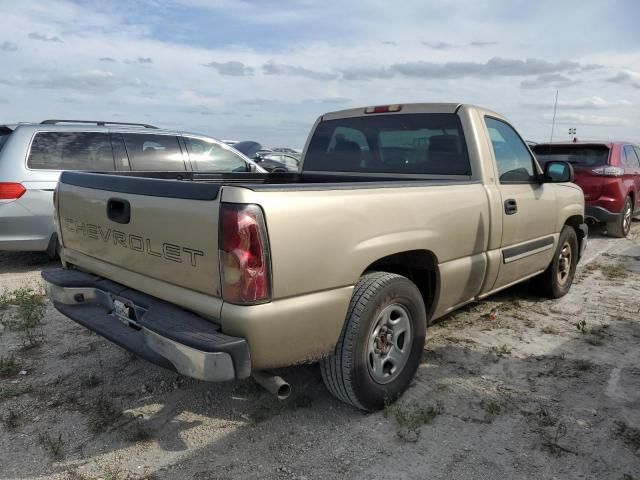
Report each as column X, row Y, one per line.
column 556, row 280
column 621, row 227
column 381, row 343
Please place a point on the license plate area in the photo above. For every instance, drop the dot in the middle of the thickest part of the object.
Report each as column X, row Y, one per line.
column 125, row 311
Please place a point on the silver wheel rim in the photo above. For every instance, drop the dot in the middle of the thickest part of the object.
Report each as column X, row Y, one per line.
column 564, row 263
column 389, row 344
column 626, row 219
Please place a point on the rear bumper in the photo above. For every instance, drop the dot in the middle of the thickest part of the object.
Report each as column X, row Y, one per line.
column 153, row 329
column 600, row 214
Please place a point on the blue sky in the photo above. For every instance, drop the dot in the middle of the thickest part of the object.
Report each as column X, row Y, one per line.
column 264, row 70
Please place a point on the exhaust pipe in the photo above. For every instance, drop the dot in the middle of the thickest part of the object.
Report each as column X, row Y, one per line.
column 273, row 384
column 590, row 221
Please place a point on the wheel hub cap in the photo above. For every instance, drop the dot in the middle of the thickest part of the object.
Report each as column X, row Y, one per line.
column 564, row 263
column 389, row 343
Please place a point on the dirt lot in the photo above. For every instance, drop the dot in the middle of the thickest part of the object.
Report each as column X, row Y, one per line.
column 549, row 389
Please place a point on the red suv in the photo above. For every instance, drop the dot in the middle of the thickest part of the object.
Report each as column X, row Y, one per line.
column 609, row 175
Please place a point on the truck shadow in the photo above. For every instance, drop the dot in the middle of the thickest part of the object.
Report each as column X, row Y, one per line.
column 548, row 403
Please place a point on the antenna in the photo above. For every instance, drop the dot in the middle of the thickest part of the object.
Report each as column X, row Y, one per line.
column 553, row 123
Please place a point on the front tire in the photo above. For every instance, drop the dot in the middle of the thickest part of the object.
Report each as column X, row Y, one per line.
column 556, row 280
column 381, row 342
column 621, row 227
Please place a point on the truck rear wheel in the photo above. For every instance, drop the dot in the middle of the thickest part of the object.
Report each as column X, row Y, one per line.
column 381, row 342
column 621, row 227
column 556, row 280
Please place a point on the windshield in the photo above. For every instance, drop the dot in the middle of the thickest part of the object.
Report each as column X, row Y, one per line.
column 431, row 144
column 581, row 155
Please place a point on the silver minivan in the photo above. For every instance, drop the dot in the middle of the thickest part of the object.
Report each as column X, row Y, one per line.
column 32, row 156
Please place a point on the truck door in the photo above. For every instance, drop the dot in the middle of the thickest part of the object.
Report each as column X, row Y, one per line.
column 528, row 207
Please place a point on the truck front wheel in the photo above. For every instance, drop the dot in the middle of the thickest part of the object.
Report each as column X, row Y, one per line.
column 556, row 280
column 381, row 342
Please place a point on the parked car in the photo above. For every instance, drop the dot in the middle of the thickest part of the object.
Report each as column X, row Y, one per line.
column 257, row 153
column 33, row 155
column 400, row 215
column 609, row 174
column 291, row 162
column 288, row 150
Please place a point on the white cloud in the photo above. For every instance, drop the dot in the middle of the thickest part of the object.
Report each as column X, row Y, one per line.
column 590, row 103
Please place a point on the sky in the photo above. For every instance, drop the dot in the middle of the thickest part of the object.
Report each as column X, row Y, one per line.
column 265, row 70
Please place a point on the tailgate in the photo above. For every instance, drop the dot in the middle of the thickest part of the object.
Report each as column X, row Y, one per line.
column 166, row 230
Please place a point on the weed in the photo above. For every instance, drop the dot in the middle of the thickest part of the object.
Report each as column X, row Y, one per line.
column 492, row 407
column 54, row 446
column 629, row 435
column 137, row 431
column 613, row 271
column 12, row 420
column 411, row 418
column 90, row 381
column 8, row 367
column 29, row 310
column 104, row 414
column 583, row 365
column 549, row 330
column 501, row 351
column 581, row 326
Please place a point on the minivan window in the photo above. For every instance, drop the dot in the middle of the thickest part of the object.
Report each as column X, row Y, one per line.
column 154, row 152
column 210, row 156
column 515, row 163
column 71, row 151
column 4, row 136
column 425, row 143
column 577, row 154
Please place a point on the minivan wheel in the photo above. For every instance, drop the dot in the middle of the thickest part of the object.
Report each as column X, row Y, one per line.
column 621, row 227
column 381, row 342
column 556, row 280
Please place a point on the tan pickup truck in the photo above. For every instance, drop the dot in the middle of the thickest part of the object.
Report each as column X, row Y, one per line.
column 400, row 214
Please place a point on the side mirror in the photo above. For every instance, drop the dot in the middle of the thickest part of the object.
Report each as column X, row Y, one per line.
column 252, row 168
column 558, row 172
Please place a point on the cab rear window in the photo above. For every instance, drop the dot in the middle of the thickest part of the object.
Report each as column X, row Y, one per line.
column 427, row 144
column 581, row 155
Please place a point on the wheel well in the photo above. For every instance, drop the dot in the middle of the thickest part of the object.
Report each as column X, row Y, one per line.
column 419, row 266
column 574, row 222
column 632, row 194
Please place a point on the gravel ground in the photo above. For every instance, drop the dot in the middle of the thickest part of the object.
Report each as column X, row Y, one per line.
column 549, row 389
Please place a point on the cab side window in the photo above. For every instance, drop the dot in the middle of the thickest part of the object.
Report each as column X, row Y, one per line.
column 515, row 163
column 210, row 156
column 154, row 152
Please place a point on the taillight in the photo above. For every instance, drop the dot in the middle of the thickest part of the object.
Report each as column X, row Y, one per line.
column 609, row 171
column 244, row 254
column 11, row 191
column 383, row 109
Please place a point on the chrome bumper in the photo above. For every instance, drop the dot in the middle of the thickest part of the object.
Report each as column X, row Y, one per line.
column 152, row 329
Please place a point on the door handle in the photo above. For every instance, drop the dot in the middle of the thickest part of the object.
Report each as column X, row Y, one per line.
column 119, row 210
column 510, row 206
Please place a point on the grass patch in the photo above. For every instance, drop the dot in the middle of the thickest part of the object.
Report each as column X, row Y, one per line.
column 53, row 445
column 411, row 417
column 629, row 435
column 13, row 391
column 22, row 310
column 501, row 351
column 103, row 415
column 8, row 367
